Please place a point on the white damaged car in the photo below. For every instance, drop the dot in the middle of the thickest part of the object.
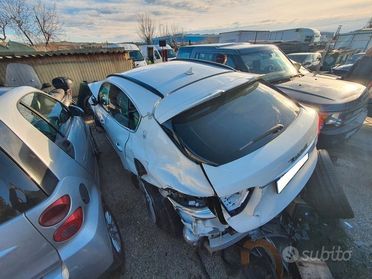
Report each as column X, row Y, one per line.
column 218, row 153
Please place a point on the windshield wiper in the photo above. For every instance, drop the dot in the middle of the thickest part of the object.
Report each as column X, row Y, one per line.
column 272, row 130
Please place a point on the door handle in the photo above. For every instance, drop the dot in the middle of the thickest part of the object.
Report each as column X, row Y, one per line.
column 118, row 146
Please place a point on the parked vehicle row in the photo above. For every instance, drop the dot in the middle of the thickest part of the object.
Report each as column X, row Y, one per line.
column 220, row 142
column 342, row 105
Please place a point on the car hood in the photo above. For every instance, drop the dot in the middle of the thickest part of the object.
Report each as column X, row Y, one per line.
column 326, row 93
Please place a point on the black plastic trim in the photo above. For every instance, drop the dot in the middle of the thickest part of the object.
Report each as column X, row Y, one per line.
column 140, row 83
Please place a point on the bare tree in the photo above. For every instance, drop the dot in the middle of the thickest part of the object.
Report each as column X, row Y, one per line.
column 4, row 22
column 170, row 32
column 146, row 28
column 21, row 20
column 46, row 20
column 34, row 22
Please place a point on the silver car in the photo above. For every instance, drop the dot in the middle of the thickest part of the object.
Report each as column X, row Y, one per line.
column 53, row 223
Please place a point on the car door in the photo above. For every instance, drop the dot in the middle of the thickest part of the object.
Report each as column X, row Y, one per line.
column 53, row 119
column 24, row 252
column 122, row 120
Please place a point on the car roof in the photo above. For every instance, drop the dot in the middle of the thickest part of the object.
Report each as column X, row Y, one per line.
column 167, row 78
column 232, row 46
column 169, row 88
column 200, row 92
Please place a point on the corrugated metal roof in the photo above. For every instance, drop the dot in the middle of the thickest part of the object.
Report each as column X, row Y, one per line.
column 10, row 55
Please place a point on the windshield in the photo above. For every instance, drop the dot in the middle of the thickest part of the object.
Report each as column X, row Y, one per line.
column 300, row 58
column 136, row 55
column 171, row 53
column 269, row 61
column 353, row 58
column 233, row 124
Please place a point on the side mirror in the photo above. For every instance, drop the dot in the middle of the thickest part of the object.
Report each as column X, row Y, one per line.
column 76, row 111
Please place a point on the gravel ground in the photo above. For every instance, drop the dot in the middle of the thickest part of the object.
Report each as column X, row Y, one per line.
column 151, row 253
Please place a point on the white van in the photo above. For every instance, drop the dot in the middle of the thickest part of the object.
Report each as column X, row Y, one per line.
column 171, row 55
column 134, row 53
column 153, row 53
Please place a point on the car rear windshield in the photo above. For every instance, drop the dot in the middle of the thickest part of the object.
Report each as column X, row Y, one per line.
column 233, row 124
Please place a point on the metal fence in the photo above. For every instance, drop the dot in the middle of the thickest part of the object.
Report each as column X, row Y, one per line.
column 81, row 65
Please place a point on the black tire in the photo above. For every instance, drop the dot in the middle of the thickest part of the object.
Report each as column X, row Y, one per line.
column 161, row 211
column 118, row 265
column 324, row 191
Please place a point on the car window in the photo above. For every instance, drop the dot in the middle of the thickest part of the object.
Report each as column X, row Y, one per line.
column 230, row 61
column 46, row 114
column 206, row 56
column 184, row 52
column 171, row 53
column 50, row 117
column 156, row 54
column 18, row 193
column 26, row 159
column 121, row 107
column 103, row 95
column 233, row 124
column 269, row 61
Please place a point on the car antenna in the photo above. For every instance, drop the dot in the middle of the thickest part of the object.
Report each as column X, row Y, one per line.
column 189, row 72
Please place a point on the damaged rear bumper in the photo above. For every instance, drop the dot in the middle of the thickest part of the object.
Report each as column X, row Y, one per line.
column 202, row 225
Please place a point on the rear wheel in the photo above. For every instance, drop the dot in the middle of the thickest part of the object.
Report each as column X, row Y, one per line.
column 116, row 240
column 324, row 191
column 160, row 210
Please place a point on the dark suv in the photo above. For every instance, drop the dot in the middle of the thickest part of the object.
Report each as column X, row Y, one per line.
column 342, row 105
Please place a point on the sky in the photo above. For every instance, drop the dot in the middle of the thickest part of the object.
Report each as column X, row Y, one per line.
column 116, row 20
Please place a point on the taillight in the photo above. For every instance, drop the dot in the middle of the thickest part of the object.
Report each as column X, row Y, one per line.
column 322, row 117
column 55, row 212
column 69, row 227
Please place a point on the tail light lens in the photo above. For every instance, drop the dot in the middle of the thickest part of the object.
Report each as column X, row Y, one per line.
column 70, row 227
column 321, row 120
column 55, row 212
